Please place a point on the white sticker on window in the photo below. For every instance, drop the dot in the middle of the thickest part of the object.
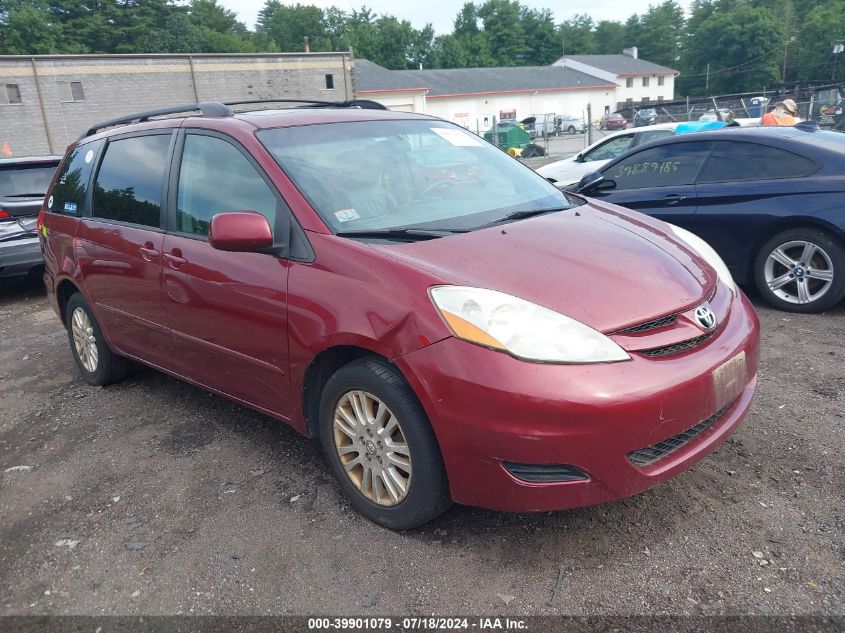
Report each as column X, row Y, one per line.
column 89, row 156
column 456, row 137
column 50, row 202
column 344, row 215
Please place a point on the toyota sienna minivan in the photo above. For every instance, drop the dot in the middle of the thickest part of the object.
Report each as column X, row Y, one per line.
column 451, row 326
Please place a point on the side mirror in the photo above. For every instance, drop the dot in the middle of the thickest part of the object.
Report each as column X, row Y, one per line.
column 590, row 181
column 240, row 231
column 579, row 158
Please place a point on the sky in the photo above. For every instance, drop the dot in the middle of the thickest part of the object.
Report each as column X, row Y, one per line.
column 441, row 13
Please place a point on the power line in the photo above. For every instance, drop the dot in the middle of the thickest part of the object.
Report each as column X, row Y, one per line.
column 732, row 68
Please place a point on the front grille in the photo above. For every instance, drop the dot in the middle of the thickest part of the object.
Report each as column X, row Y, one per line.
column 675, row 348
column 651, row 454
column 650, row 325
column 545, row 473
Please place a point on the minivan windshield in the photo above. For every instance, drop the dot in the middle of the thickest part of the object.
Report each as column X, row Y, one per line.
column 381, row 175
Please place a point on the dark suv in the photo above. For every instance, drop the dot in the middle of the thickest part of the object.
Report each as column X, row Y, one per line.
column 23, row 183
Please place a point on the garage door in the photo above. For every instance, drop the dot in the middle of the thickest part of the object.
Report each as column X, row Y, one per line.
column 403, row 107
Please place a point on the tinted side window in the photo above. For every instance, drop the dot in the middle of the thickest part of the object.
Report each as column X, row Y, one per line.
column 215, row 177
column 663, row 166
column 645, row 137
column 68, row 195
column 611, row 149
column 129, row 183
column 731, row 161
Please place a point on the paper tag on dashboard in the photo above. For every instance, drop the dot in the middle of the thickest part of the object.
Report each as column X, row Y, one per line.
column 456, row 137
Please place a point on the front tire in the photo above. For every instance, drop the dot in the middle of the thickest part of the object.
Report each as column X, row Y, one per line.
column 570, row 130
column 801, row 270
column 94, row 359
column 380, row 446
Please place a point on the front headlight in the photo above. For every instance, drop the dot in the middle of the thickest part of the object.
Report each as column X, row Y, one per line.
column 707, row 254
column 524, row 329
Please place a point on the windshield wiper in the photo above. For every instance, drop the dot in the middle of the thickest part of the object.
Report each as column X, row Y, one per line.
column 527, row 213
column 401, row 233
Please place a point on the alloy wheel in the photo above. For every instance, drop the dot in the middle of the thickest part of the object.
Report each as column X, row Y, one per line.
column 372, row 448
column 799, row 272
column 84, row 340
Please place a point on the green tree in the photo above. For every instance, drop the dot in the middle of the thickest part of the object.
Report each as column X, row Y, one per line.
column 577, row 36
column 541, row 37
column 503, row 31
column 661, row 29
column 811, row 56
column 27, row 29
column 609, row 37
column 742, row 47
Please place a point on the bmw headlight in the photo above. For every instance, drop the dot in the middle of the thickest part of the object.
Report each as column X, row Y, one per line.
column 523, row 329
column 707, row 254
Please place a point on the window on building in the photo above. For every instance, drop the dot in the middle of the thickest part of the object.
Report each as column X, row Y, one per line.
column 71, row 91
column 645, row 82
column 629, row 100
column 660, row 80
column 215, row 177
column 129, row 183
column 629, row 82
column 13, row 93
column 646, row 99
column 329, row 82
column 660, row 98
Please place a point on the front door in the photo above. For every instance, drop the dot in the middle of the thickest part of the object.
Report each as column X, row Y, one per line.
column 658, row 181
column 227, row 311
column 119, row 245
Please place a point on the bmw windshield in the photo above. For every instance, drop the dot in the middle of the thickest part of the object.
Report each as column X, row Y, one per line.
column 368, row 176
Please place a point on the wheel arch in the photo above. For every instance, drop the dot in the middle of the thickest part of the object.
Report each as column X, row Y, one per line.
column 64, row 291
column 317, row 374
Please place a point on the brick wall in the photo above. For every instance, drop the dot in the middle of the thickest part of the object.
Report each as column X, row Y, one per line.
column 114, row 85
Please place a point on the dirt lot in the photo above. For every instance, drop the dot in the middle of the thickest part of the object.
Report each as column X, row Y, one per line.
column 172, row 500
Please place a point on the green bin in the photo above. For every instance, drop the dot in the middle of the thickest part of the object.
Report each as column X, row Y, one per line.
column 509, row 135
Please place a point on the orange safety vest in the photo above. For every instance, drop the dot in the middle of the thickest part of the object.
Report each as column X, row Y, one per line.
column 772, row 119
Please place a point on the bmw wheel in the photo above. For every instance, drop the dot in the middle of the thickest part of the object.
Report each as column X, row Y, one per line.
column 801, row 270
column 380, row 446
column 94, row 359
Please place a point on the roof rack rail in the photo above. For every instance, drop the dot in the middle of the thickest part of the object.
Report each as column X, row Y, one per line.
column 208, row 108
column 312, row 103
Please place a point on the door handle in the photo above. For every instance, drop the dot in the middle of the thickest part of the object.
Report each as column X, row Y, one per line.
column 672, row 198
column 174, row 258
column 149, row 252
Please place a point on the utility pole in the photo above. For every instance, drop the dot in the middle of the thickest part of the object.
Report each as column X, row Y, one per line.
column 838, row 48
column 785, row 49
column 707, row 80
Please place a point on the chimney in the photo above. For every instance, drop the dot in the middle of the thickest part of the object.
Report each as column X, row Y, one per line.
column 631, row 52
column 308, row 46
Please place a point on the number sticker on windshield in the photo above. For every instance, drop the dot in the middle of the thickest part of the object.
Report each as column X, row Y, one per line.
column 665, row 167
column 344, row 215
column 456, row 137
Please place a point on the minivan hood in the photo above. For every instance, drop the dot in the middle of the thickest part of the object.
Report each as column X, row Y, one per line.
column 607, row 268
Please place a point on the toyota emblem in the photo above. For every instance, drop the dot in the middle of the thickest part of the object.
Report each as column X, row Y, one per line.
column 705, row 317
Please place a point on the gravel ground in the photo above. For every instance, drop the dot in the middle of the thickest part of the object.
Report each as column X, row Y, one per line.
column 154, row 497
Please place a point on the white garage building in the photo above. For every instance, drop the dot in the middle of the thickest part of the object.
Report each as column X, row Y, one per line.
column 471, row 97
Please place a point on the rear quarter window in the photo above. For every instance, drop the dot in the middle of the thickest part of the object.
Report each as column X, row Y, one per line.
column 740, row 161
column 68, row 194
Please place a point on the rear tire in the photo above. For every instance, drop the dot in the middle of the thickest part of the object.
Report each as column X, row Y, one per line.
column 406, row 485
column 570, row 130
column 801, row 270
column 94, row 359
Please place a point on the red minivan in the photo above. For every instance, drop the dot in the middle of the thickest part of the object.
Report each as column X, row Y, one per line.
column 451, row 326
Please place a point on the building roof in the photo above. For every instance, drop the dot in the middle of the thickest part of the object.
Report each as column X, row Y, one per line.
column 370, row 77
column 620, row 64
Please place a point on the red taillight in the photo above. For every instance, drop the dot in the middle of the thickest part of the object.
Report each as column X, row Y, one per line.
column 4, row 214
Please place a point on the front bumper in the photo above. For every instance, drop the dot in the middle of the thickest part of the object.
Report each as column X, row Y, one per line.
column 487, row 408
column 18, row 257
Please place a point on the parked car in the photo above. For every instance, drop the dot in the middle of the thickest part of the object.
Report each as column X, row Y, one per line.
column 567, row 124
column 539, row 125
column 767, row 199
column 23, row 182
column 570, row 170
column 444, row 338
column 711, row 115
column 613, row 121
